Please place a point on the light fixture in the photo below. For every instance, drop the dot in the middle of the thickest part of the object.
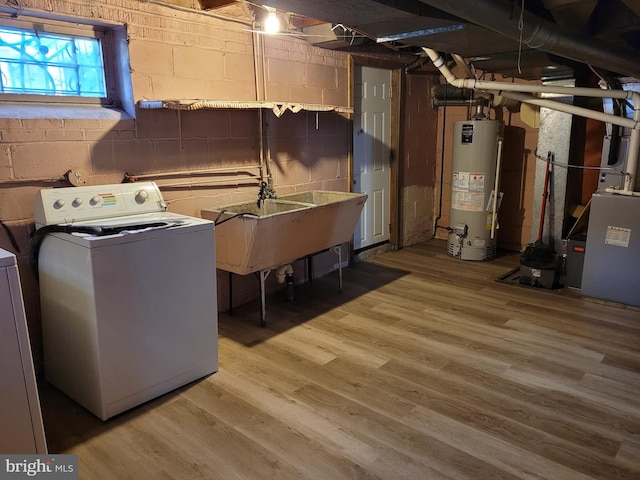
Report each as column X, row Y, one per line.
column 271, row 23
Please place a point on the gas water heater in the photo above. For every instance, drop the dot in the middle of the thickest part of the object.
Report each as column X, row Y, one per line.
column 477, row 146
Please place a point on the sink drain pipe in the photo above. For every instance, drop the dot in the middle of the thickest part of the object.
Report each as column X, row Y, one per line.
column 284, row 274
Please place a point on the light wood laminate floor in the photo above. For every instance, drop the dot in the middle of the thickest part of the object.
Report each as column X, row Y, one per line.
column 424, row 367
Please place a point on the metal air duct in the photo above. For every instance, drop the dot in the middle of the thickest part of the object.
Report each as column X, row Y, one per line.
column 501, row 17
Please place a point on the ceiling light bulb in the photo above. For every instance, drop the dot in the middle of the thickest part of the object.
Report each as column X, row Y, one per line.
column 271, row 23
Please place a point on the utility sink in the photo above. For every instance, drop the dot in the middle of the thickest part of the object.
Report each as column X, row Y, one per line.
column 320, row 197
column 282, row 230
column 267, row 208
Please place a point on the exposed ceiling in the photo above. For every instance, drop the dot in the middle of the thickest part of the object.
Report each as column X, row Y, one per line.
column 531, row 39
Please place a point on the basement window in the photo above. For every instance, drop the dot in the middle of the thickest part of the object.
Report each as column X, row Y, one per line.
column 45, row 62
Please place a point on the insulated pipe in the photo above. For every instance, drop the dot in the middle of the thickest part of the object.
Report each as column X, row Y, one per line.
column 539, row 34
column 506, row 89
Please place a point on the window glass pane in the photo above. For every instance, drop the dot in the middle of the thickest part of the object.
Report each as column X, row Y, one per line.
column 50, row 64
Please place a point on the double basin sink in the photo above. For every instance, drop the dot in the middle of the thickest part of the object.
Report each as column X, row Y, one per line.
column 250, row 238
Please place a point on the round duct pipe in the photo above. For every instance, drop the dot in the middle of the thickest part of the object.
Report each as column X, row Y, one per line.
column 540, row 34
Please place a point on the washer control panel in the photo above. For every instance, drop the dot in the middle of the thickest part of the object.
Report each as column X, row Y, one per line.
column 56, row 206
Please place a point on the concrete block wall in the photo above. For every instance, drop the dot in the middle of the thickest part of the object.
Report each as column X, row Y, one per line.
column 417, row 212
column 178, row 54
column 307, row 151
column 517, row 184
column 419, row 160
column 294, row 72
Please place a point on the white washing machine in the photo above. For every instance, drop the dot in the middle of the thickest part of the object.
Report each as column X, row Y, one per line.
column 128, row 295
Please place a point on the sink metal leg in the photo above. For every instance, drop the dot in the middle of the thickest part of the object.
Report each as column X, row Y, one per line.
column 263, row 274
column 338, row 251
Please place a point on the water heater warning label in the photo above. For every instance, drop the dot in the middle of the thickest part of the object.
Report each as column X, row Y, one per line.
column 468, row 182
column 618, row 236
column 476, row 182
column 468, row 191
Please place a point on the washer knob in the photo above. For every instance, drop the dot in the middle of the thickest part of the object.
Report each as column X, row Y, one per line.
column 142, row 196
column 77, row 202
column 95, row 200
column 58, row 203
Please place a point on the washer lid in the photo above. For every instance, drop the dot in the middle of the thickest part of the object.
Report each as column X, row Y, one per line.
column 135, row 222
column 133, row 228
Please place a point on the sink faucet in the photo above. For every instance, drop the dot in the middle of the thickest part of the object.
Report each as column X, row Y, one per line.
column 266, row 191
column 262, row 194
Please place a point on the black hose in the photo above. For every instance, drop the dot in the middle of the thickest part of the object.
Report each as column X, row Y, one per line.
column 241, row 214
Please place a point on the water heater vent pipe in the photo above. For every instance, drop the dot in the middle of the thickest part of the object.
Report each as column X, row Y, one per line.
column 516, row 91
